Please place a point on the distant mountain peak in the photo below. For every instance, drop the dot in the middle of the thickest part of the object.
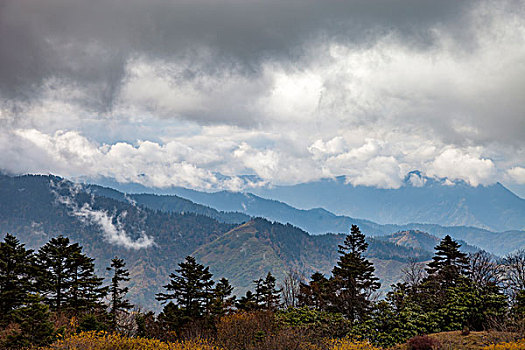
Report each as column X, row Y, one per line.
column 417, row 178
column 421, row 240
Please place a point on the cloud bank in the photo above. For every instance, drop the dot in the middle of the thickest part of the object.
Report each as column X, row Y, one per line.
column 176, row 93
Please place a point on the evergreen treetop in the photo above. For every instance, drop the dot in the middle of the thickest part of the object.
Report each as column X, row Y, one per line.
column 222, row 299
column 353, row 276
column 117, row 292
column 66, row 276
column 190, row 287
column 448, row 263
column 16, row 275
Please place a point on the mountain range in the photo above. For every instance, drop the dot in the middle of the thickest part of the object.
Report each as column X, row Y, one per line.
column 231, row 206
column 419, row 199
column 152, row 241
column 153, row 233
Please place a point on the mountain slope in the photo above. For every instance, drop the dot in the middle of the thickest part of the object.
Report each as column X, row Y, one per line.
column 420, row 240
column 432, row 201
column 319, row 221
column 169, row 203
column 251, row 250
column 36, row 208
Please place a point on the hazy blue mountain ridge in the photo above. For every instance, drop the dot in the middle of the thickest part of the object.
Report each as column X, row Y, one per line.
column 169, row 203
column 433, row 201
column 421, row 240
column 439, row 205
column 319, row 221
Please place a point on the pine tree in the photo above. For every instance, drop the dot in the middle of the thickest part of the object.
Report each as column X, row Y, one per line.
column 222, row 297
column 117, row 292
column 86, row 287
column 247, row 302
column 449, row 264
column 190, row 288
column 33, row 323
column 315, row 294
column 353, row 277
column 171, row 319
column 16, row 276
column 270, row 295
column 54, row 279
column 257, row 296
column 66, row 276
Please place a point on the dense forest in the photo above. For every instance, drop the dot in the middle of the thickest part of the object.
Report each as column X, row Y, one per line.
column 52, row 297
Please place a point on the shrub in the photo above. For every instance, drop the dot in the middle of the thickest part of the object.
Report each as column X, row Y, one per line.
column 107, row 341
column 90, row 322
column 348, row 344
column 423, row 342
column 507, row 346
column 244, row 329
column 318, row 324
column 259, row 331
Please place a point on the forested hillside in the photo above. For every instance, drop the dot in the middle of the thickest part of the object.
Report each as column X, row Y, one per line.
column 260, row 246
column 54, row 297
column 314, row 221
column 169, row 203
column 36, row 208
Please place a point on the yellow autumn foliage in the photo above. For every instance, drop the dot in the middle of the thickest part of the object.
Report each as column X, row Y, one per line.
column 518, row 345
column 347, row 344
column 109, row 341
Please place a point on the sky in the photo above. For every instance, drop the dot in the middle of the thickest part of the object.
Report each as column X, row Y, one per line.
column 197, row 93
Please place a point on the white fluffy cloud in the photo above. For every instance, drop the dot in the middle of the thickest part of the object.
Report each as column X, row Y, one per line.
column 517, row 174
column 373, row 110
column 455, row 164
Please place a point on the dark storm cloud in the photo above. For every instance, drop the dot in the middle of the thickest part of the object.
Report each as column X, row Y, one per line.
column 89, row 42
column 173, row 92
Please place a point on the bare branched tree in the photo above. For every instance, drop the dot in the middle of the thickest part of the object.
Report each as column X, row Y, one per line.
column 514, row 265
column 414, row 273
column 485, row 270
column 290, row 288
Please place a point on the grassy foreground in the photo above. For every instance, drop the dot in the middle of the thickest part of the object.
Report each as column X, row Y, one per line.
column 472, row 341
column 444, row 341
column 107, row 341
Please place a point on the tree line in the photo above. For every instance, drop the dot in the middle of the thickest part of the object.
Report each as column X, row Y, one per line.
column 58, row 279
column 453, row 291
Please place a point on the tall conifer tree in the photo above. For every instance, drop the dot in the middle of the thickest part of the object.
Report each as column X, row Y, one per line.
column 86, row 287
column 448, row 263
column 16, row 275
column 117, row 291
column 190, row 288
column 247, row 302
column 353, row 277
column 222, row 297
column 315, row 294
column 271, row 296
column 66, row 276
